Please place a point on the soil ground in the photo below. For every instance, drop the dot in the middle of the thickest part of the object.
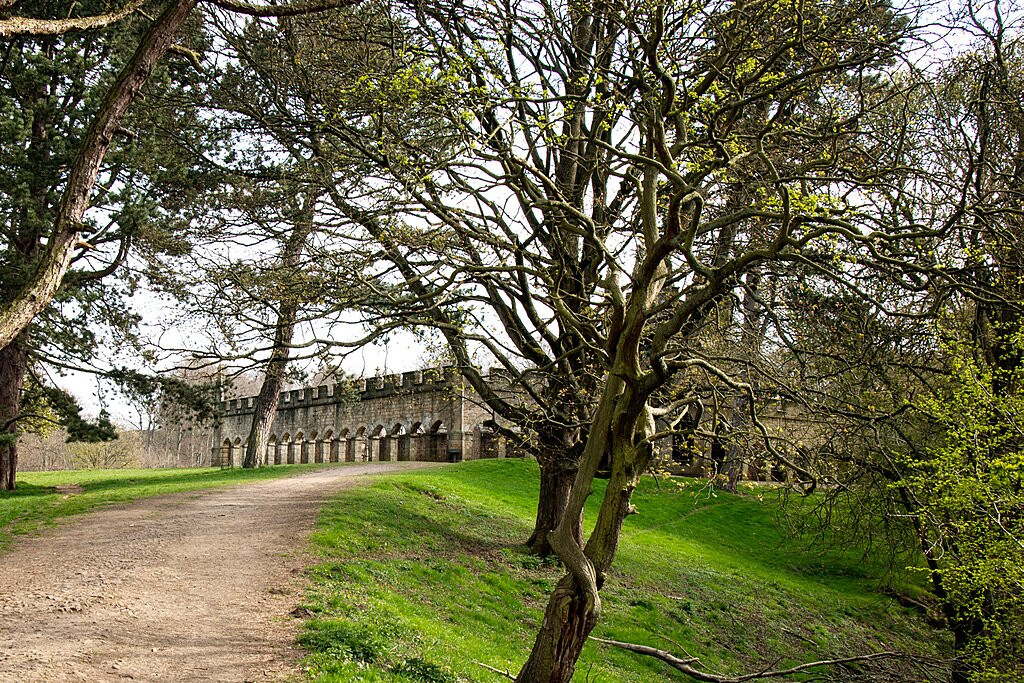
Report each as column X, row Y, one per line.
column 196, row 586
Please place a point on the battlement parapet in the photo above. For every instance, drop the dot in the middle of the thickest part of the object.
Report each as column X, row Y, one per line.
column 361, row 389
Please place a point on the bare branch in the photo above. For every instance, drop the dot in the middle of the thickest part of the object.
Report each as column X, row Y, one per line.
column 684, row 665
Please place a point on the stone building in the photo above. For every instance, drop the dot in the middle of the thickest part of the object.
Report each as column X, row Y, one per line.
column 432, row 415
column 423, row 415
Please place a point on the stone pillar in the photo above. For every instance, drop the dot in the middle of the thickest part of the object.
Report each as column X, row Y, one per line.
column 460, row 447
column 417, row 446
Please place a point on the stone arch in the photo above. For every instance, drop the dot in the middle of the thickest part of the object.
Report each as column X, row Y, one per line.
column 437, row 442
column 400, row 438
column 346, row 445
column 273, row 450
column 237, row 452
column 329, row 447
column 380, row 444
column 289, row 448
column 417, row 442
column 224, row 453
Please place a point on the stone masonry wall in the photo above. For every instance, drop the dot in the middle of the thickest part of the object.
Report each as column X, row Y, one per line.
column 422, row 415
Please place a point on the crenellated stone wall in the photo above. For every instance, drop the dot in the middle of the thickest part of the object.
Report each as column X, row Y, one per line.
column 423, row 415
column 432, row 415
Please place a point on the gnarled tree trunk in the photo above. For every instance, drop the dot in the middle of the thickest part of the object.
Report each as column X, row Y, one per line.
column 557, row 474
column 620, row 426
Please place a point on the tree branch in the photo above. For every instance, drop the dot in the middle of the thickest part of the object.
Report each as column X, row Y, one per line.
column 684, row 665
column 295, row 9
column 28, row 26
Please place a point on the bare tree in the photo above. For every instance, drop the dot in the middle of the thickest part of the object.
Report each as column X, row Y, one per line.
column 585, row 237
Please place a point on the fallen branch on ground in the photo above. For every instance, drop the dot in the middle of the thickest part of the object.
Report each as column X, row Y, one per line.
column 685, row 665
column 506, row 674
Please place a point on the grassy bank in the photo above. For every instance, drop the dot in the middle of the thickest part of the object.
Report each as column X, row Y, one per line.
column 37, row 501
column 422, row 580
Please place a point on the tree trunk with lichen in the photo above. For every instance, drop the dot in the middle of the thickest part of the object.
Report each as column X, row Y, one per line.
column 13, row 366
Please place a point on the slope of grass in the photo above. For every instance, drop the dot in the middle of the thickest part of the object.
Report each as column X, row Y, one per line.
column 37, row 502
column 423, row 579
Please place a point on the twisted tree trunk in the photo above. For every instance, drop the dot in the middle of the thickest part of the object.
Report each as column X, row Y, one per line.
column 620, row 426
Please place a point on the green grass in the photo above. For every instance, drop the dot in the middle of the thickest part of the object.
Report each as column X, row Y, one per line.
column 423, row 577
column 36, row 502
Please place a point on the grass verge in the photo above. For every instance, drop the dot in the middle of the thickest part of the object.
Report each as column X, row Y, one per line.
column 422, row 580
column 38, row 503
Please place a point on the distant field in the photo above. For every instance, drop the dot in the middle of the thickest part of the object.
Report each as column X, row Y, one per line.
column 422, row 579
column 37, row 501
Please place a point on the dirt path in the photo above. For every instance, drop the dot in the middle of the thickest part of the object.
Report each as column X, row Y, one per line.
column 188, row 587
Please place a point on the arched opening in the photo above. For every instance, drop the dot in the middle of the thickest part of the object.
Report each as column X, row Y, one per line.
column 379, row 444
column 330, row 447
column 223, row 454
column 401, row 439
column 289, row 449
column 437, row 442
column 273, row 451
column 305, row 446
column 417, row 442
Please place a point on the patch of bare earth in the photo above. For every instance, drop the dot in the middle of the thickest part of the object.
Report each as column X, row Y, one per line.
column 188, row 587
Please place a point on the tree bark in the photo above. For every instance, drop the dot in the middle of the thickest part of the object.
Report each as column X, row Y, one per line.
column 273, row 378
column 620, row 425
column 568, row 621
column 42, row 285
column 573, row 609
column 28, row 26
column 270, row 391
column 13, row 366
column 556, row 479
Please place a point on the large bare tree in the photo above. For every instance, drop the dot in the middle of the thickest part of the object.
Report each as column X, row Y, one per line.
column 626, row 173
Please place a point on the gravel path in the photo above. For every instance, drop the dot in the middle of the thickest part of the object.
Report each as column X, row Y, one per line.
column 188, row 587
